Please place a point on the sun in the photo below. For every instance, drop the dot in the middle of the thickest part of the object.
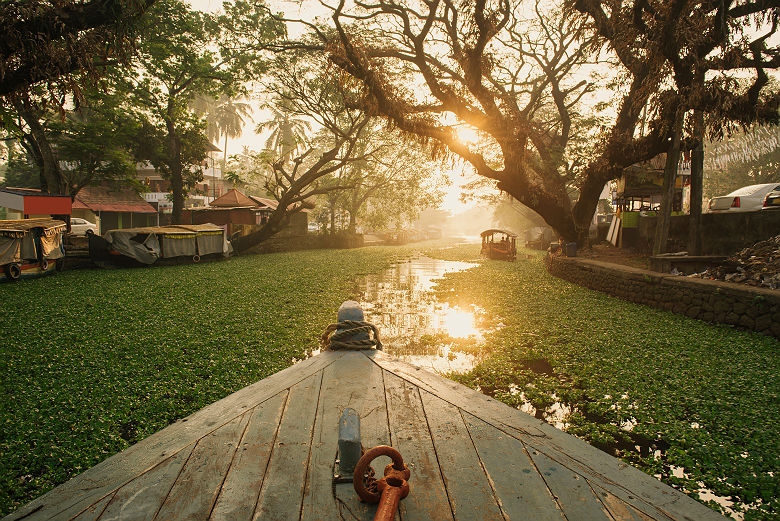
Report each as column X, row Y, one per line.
column 467, row 135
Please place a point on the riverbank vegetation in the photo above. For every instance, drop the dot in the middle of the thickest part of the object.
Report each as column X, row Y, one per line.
column 692, row 403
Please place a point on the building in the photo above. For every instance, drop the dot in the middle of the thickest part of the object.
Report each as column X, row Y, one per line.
column 212, row 187
column 242, row 214
column 113, row 208
column 25, row 203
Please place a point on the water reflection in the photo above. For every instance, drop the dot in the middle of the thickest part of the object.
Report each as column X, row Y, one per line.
column 414, row 325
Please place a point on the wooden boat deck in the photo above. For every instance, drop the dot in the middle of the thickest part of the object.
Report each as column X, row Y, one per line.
column 268, row 451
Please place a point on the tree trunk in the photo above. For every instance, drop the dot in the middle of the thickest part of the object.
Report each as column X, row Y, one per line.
column 670, row 175
column 176, row 172
column 333, row 219
column 224, row 161
column 697, row 181
column 354, row 208
column 53, row 180
column 555, row 208
column 352, row 228
column 276, row 221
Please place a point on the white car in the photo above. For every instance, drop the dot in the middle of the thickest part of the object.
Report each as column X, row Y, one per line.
column 746, row 199
column 79, row 226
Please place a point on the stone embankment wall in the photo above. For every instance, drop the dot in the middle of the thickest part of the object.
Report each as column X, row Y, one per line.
column 757, row 309
column 721, row 233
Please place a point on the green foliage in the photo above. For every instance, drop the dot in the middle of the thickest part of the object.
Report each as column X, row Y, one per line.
column 185, row 55
column 96, row 140
column 20, row 172
column 93, row 361
column 112, row 356
column 704, row 395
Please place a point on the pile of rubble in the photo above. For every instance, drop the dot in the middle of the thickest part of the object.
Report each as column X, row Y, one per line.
column 757, row 266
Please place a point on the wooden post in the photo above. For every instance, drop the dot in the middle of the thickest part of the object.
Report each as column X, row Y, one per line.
column 697, row 181
column 670, row 175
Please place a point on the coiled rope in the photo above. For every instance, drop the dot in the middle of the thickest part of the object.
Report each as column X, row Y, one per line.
column 344, row 339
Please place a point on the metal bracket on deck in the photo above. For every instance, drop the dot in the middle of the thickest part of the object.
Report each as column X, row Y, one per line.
column 350, row 448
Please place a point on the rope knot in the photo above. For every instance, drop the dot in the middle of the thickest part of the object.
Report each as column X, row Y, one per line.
column 344, row 333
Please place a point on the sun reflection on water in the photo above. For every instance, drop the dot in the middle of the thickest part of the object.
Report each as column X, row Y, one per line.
column 460, row 323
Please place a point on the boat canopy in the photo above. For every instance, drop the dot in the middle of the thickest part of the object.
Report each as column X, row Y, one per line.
column 18, row 227
column 18, row 240
column 495, row 230
column 147, row 244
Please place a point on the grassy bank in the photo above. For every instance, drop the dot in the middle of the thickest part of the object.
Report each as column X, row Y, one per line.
column 93, row 361
column 694, row 403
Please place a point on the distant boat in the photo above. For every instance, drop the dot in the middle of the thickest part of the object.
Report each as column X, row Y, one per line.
column 499, row 244
column 30, row 247
column 175, row 244
column 271, row 451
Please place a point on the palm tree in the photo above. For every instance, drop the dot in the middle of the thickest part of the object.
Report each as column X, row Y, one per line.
column 224, row 117
column 288, row 133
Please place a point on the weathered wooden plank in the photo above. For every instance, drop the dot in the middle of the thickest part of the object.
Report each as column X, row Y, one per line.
column 238, row 496
column 521, row 490
column 354, row 382
column 195, row 490
column 282, row 491
column 92, row 512
column 140, row 499
column 619, row 509
column 572, row 491
column 70, row 498
column 647, row 494
column 410, row 435
column 471, row 495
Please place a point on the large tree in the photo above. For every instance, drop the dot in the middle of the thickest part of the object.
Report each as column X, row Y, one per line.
column 69, row 149
column 294, row 174
column 225, row 116
column 509, row 70
column 392, row 186
column 505, row 70
column 679, row 56
column 45, row 41
column 183, row 54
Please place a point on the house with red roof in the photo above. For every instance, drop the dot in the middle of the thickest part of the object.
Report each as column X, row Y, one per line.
column 242, row 214
column 113, row 208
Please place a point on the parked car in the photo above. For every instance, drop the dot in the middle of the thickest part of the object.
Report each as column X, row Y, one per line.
column 79, row 226
column 745, row 199
column 772, row 200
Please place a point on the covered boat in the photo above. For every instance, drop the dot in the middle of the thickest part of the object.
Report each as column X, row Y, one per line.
column 160, row 244
column 499, row 244
column 30, row 247
column 276, row 450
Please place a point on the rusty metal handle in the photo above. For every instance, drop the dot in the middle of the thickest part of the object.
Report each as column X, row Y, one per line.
column 397, row 470
column 393, row 490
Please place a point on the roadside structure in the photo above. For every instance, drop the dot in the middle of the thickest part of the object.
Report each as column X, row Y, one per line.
column 25, row 203
column 242, row 214
column 113, row 208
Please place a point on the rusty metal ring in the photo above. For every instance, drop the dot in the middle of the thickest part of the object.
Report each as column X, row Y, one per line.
column 364, row 463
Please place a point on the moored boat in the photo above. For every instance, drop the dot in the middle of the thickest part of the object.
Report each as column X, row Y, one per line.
column 275, row 450
column 174, row 244
column 499, row 244
column 30, row 247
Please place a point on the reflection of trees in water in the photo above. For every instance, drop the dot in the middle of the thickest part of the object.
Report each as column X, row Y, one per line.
column 400, row 301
